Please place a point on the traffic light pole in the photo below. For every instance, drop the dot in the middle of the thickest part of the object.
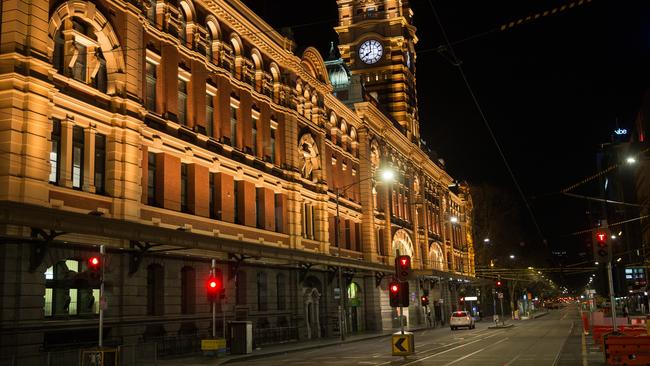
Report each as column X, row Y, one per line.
column 102, row 252
column 612, row 300
column 503, row 320
column 214, row 305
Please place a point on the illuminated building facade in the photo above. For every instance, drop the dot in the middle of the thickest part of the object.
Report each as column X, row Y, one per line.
column 178, row 131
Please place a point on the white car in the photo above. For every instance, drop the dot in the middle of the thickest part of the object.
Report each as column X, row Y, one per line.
column 461, row 319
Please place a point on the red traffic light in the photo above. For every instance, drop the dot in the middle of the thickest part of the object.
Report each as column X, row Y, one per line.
column 94, row 262
column 404, row 261
column 601, row 237
column 499, row 283
column 213, row 288
column 394, row 288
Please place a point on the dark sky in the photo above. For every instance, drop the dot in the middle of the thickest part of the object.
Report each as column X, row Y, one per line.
column 552, row 90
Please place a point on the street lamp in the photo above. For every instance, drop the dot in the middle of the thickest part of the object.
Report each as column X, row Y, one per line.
column 512, row 256
column 486, row 240
column 387, row 175
column 630, row 160
column 453, row 219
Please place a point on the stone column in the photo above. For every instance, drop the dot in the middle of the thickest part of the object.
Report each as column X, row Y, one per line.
column 65, row 177
column 368, row 240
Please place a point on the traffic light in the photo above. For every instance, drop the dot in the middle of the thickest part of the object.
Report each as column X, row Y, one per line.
column 214, row 287
column 403, row 267
column 398, row 293
column 424, row 300
column 602, row 247
column 94, row 275
column 499, row 284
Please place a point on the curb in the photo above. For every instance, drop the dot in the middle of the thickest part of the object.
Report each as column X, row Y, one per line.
column 309, row 347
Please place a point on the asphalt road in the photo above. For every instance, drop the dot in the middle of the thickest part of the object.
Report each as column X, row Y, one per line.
column 554, row 339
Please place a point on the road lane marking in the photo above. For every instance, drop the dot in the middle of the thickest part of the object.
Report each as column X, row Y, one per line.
column 449, row 350
column 513, row 360
column 559, row 352
column 475, row 352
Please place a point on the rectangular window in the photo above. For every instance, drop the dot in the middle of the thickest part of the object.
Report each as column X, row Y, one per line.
column 273, row 131
column 182, row 101
column 259, row 209
column 150, row 97
column 213, row 210
column 55, row 151
column 254, row 137
column 151, row 179
column 278, row 212
column 233, row 126
column 100, row 163
column 77, row 157
column 235, row 196
column 209, row 114
column 184, row 187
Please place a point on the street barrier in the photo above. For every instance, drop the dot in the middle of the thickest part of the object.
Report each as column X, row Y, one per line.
column 600, row 331
column 626, row 349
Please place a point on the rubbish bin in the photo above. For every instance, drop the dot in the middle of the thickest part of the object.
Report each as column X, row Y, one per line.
column 241, row 337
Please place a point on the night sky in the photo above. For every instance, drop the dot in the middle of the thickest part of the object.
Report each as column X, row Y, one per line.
column 552, row 89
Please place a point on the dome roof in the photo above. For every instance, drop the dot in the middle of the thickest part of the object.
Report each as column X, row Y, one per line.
column 338, row 74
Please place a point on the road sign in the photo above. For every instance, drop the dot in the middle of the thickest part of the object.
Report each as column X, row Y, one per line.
column 212, row 344
column 500, row 295
column 403, row 344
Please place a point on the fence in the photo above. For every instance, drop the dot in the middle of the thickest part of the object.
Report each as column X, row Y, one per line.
column 263, row 336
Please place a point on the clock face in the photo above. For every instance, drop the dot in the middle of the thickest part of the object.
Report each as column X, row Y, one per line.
column 370, row 51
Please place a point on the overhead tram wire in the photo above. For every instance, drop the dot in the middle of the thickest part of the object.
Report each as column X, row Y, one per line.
column 487, row 124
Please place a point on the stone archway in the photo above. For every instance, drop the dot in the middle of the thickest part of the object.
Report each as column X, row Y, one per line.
column 311, row 301
column 436, row 257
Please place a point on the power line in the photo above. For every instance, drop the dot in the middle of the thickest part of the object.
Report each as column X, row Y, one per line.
column 486, row 123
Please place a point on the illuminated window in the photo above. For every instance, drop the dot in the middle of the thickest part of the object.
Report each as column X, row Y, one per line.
column 55, row 151
column 77, row 157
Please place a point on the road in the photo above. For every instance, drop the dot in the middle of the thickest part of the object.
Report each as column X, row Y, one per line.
column 554, row 339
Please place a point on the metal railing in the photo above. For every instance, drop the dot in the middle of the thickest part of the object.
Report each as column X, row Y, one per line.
column 263, row 336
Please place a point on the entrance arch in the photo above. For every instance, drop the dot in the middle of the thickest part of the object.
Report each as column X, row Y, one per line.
column 436, row 257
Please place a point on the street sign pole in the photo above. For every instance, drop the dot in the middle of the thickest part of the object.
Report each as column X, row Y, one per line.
column 214, row 304
column 102, row 251
column 401, row 318
column 494, row 302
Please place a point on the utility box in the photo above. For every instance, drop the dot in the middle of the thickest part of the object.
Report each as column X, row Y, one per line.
column 241, row 337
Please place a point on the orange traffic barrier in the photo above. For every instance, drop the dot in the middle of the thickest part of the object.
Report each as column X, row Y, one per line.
column 600, row 331
column 627, row 350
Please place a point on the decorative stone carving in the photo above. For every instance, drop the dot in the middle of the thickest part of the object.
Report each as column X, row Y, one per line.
column 374, row 154
column 310, row 156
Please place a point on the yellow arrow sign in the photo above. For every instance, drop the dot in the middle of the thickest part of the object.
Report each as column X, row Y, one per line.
column 402, row 344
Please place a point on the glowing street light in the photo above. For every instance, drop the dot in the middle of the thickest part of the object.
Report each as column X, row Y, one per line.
column 486, row 240
column 512, row 256
column 453, row 219
column 630, row 160
column 387, row 175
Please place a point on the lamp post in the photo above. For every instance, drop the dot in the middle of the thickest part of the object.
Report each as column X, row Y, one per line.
column 387, row 175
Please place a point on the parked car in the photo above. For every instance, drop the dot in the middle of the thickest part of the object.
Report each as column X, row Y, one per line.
column 461, row 319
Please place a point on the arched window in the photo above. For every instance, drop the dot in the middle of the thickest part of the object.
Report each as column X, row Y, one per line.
column 59, row 52
column 208, row 46
column 262, row 292
column 100, row 79
column 151, row 11
column 188, row 290
column 182, row 33
column 281, row 288
column 155, row 289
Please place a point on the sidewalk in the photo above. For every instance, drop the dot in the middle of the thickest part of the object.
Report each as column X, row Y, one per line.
column 272, row 350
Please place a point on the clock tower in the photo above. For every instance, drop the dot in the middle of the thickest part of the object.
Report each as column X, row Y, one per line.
column 377, row 42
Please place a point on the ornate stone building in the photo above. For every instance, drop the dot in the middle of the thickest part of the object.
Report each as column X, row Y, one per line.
column 177, row 131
